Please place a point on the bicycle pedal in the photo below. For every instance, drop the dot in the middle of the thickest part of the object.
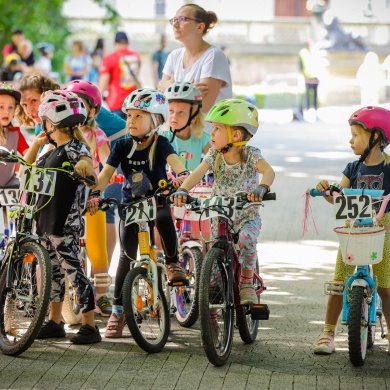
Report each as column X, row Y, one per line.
column 259, row 311
column 179, row 284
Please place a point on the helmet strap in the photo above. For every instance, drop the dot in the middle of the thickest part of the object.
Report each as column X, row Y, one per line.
column 189, row 120
column 230, row 141
column 48, row 133
column 138, row 141
column 371, row 143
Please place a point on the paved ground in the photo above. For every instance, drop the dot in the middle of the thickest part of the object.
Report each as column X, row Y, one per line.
column 294, row 270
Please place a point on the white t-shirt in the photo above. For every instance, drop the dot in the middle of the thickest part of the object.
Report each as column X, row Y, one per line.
column 212, row 63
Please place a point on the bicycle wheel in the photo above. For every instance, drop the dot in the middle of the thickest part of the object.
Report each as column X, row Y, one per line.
column 216, row 308
column 358, row 326
column 187, row 296
column 248, row 327
column 149, row 326
column 24, row 298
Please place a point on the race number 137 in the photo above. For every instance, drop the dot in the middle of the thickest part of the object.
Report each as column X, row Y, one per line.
column 353, row 207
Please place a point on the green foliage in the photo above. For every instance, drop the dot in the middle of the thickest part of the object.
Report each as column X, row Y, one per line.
column 42, row 21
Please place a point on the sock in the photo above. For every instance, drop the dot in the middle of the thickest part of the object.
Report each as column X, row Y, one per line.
column 331, row 329
column 117, row 310
column 246, row 279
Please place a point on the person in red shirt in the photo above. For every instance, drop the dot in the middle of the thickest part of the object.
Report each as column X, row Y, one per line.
column 10, row 135
column 119, row 73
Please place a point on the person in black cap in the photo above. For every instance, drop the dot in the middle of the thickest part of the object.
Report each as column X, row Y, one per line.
column 119, row 73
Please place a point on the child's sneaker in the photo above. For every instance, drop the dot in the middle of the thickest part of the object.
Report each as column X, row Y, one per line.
column 325, row 344
column 175, row 273
column 115, row 326
column 87, row 335
column 103, row 306
column 51, row 330
column 247, row 294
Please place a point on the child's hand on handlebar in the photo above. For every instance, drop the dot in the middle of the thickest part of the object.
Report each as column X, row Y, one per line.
column 81, row 168
column 93, row 202
column 323, row 185
column 258, row 193
column 179, row 197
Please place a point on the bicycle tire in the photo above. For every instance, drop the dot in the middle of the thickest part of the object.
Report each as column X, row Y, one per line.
column 217, row 301
column 71, row 310
column 247, row 327
column 149, row 327
column 187, row 297
column 23, row 307
column 357, row 326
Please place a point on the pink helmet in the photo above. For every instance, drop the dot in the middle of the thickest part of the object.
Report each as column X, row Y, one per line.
column 371, row 119
column 62, row 108
column 86, row 90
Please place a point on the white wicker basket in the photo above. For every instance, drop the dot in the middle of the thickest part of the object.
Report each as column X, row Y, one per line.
column 361, row 245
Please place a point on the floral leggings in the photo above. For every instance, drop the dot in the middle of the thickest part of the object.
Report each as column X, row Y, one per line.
column 64, row 252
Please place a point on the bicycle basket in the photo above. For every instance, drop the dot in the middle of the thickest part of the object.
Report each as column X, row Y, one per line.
column 361, row 245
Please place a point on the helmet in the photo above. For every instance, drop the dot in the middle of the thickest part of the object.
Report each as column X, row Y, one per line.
column 147, row 99
column 183, row 91
column 8, row 89
column 235, row 112
column 45, row 47
column 85, row 89
column 62, row 108
column 373, row 118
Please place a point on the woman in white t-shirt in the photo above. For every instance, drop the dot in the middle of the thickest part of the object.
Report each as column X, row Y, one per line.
column 198, row 62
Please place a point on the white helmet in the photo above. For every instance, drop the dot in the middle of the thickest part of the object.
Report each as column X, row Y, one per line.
column 185, row 92
column 62, row 109
column 147, row 99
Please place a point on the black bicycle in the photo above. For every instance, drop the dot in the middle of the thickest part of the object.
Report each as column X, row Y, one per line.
column 25, row 268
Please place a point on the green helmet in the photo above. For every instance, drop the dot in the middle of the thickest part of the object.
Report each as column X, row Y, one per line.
column 235, row 112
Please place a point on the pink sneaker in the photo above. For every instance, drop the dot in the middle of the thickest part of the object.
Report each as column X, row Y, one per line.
column 325, row 344
column 115, row 326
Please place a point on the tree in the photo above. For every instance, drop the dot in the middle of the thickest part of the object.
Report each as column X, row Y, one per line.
column 42, row 20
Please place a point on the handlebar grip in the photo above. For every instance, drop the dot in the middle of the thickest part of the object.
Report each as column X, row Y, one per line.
column 89, row 180
column 313, row 192
column 270, row 196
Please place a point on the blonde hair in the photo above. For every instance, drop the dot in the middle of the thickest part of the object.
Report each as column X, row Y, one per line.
column 152, row 151
column 3, row 138
column 75, row 133
column 199, row 124
column 38, row 83
column 245, row 136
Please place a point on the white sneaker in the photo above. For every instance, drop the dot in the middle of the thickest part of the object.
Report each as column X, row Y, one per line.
column 325, row 345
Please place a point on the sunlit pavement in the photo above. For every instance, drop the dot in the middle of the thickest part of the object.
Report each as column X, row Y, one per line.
column 294, row 267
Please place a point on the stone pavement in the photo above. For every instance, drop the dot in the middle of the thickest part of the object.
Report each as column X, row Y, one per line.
column 294, row 270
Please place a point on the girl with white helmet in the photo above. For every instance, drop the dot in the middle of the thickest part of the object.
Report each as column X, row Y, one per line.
column 144, row 152
column 186, row 123
column 236, row 167
column 370, row 134
column 59, row 217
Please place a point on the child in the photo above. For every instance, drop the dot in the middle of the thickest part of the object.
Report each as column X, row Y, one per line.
column 236, row 167
column 59, row 217
column 96, row 224
column 370, row 129
column 186, row 123
column 10, row 136
column 145, row 152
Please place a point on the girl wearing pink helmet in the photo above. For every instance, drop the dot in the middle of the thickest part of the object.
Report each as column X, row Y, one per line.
column 59, row 217
column 370, row 134
column 96, row 224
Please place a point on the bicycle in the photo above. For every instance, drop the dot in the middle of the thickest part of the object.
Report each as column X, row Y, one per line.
column 219, row 279
column 145, row 294
column 185, row 298
column 25, row 269
column 361, row 243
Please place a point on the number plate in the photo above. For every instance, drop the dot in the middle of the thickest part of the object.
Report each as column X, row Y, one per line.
column 219, row 206
column 352, row 207
column 9, row 197
column 143, row 211
column 38, row 181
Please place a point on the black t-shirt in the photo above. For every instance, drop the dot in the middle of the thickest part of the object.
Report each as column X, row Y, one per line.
column 139, row 161
column 374, row 177
column 61, row 213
